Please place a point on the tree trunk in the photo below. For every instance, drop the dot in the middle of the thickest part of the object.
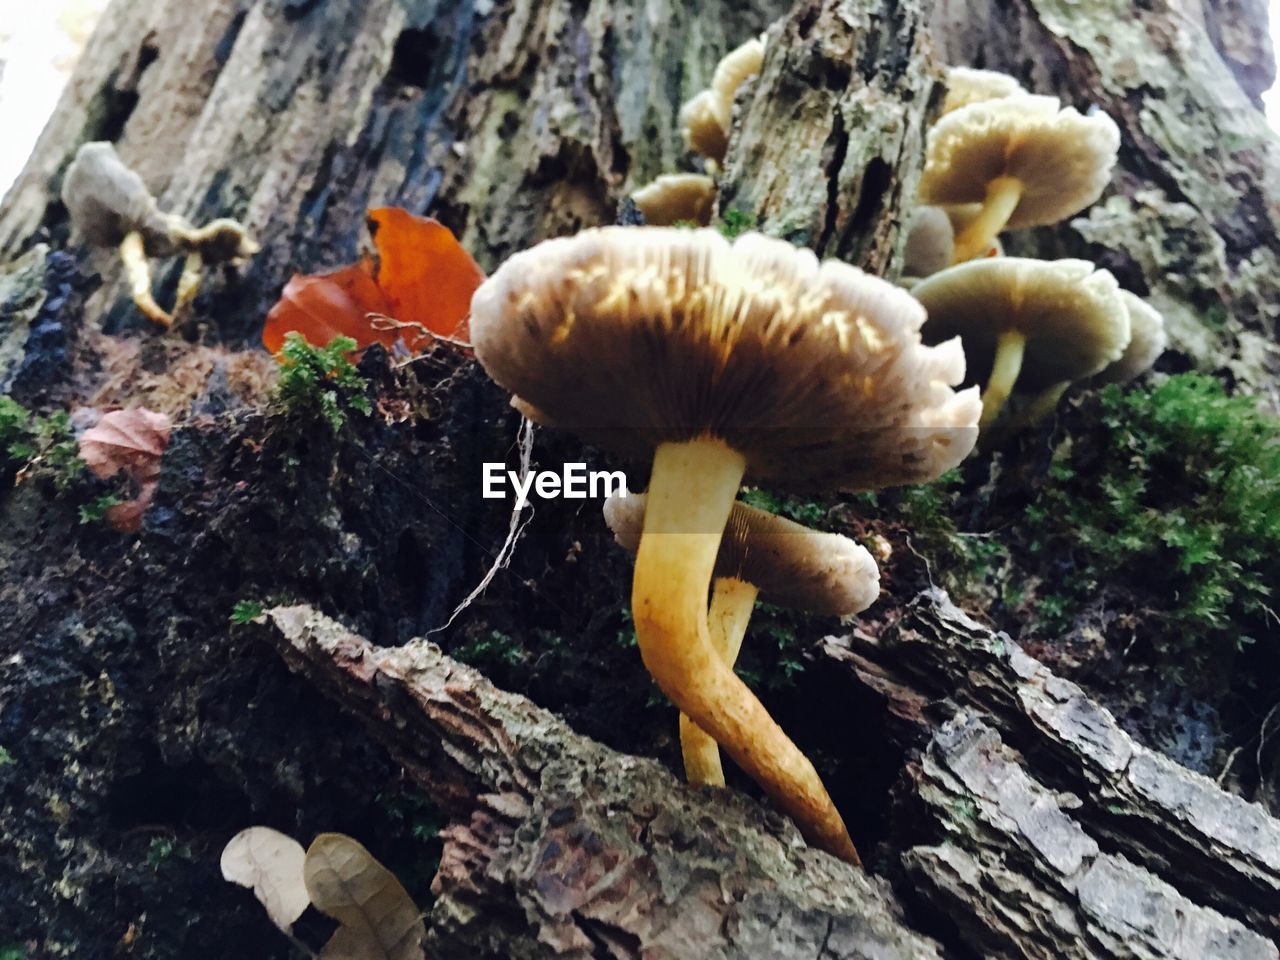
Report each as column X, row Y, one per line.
column 141, row 729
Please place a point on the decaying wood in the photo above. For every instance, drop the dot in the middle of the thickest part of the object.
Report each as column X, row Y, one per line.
column 829, row 139
column 511, row 120
column 1191, row 219
column 1096, row 845
column 561, row 847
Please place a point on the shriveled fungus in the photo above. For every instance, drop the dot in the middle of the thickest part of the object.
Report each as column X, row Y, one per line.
column 676, row 197
column 1147, row 340
column 719, row 361
column 760, row 554
column 1024, row 158
column 966, row 85
column 707, row 116
column 1033, row 324
column 110, row 206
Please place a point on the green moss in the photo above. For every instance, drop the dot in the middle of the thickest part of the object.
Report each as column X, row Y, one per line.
column 733, row 223
column 321, row 379
column 493, row 649
column 29, row 442
column 1179, row 495
column 97, row 508
column 246, row 611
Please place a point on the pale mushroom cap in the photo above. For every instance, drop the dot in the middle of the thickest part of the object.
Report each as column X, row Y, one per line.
column 1147, row 340
column 791, row 565
column 636, row 336
column 1070, row 312
column 705, row 123
column 931, row 242
column 1063, row 158
column 677, row 196
column 966, row 85
column 706, row 117
column 106, row 200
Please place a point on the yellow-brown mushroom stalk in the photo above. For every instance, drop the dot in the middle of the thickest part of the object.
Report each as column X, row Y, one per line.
column 718, row 362
column 760, row 554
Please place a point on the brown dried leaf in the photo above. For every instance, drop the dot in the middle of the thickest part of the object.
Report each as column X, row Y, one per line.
column 130, row 442
column 271, row 864
column 379, row 920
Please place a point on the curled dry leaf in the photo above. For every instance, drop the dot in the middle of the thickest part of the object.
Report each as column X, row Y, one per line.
column 129, row 442
column 420, row 278
column 269, row 863
column 379, row 919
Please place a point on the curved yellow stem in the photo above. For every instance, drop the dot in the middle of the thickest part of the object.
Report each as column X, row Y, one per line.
column 732, row 601
column 1003, row 196
column 691, row 491
column 1010, row 347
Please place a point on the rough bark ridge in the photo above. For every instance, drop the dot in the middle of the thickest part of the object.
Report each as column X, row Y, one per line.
column 1191, row 218
column 829, row 139
column 511, row 120
column 564, row 848
column 1097, row 845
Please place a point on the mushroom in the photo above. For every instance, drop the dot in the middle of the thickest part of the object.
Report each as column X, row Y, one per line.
column 1147, row 341
column 760, row 554
column 930, row 242
column 718, row 361
column 966, row 85
column 1034, row 324
column 707, row 116
column 677, row 197
column 110, row 206
column 1024, row 158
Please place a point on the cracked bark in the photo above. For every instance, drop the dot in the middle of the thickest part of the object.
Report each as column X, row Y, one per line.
column 829, row 139
column 561, row 847
column 1038, row 825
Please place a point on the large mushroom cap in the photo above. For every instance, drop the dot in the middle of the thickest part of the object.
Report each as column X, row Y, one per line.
column 637, row 336
column 1062, row 158
column 791, row 565
column 966, row 85
column 677, row 196
column 1147, row 340
column 1069, row 311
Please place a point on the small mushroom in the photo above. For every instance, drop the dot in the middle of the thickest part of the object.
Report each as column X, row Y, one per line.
column 931, row 241
column 760, row 554
column 1024, row 158
column 1147, row 340
column 1032, row 324
column 677, row 197
column 707, row 116
column 718, row 361
column 966, row 85
column 110, row 206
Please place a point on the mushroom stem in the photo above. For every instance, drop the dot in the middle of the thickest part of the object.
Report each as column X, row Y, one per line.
column 1003, row 197
column 691, row 491
column 732, row 601
column 1005, row 368
column 133, row 254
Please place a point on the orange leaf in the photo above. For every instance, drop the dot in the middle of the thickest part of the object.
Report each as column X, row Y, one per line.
column 132, row 442
column 426, row 275
column 329, row 305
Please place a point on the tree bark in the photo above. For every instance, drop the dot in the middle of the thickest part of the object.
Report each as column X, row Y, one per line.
column 560, row 847
column 1098, row 846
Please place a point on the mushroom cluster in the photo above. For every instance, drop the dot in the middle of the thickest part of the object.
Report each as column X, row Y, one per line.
column 717, row 362
column 705, row 120
column 1001, row 158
